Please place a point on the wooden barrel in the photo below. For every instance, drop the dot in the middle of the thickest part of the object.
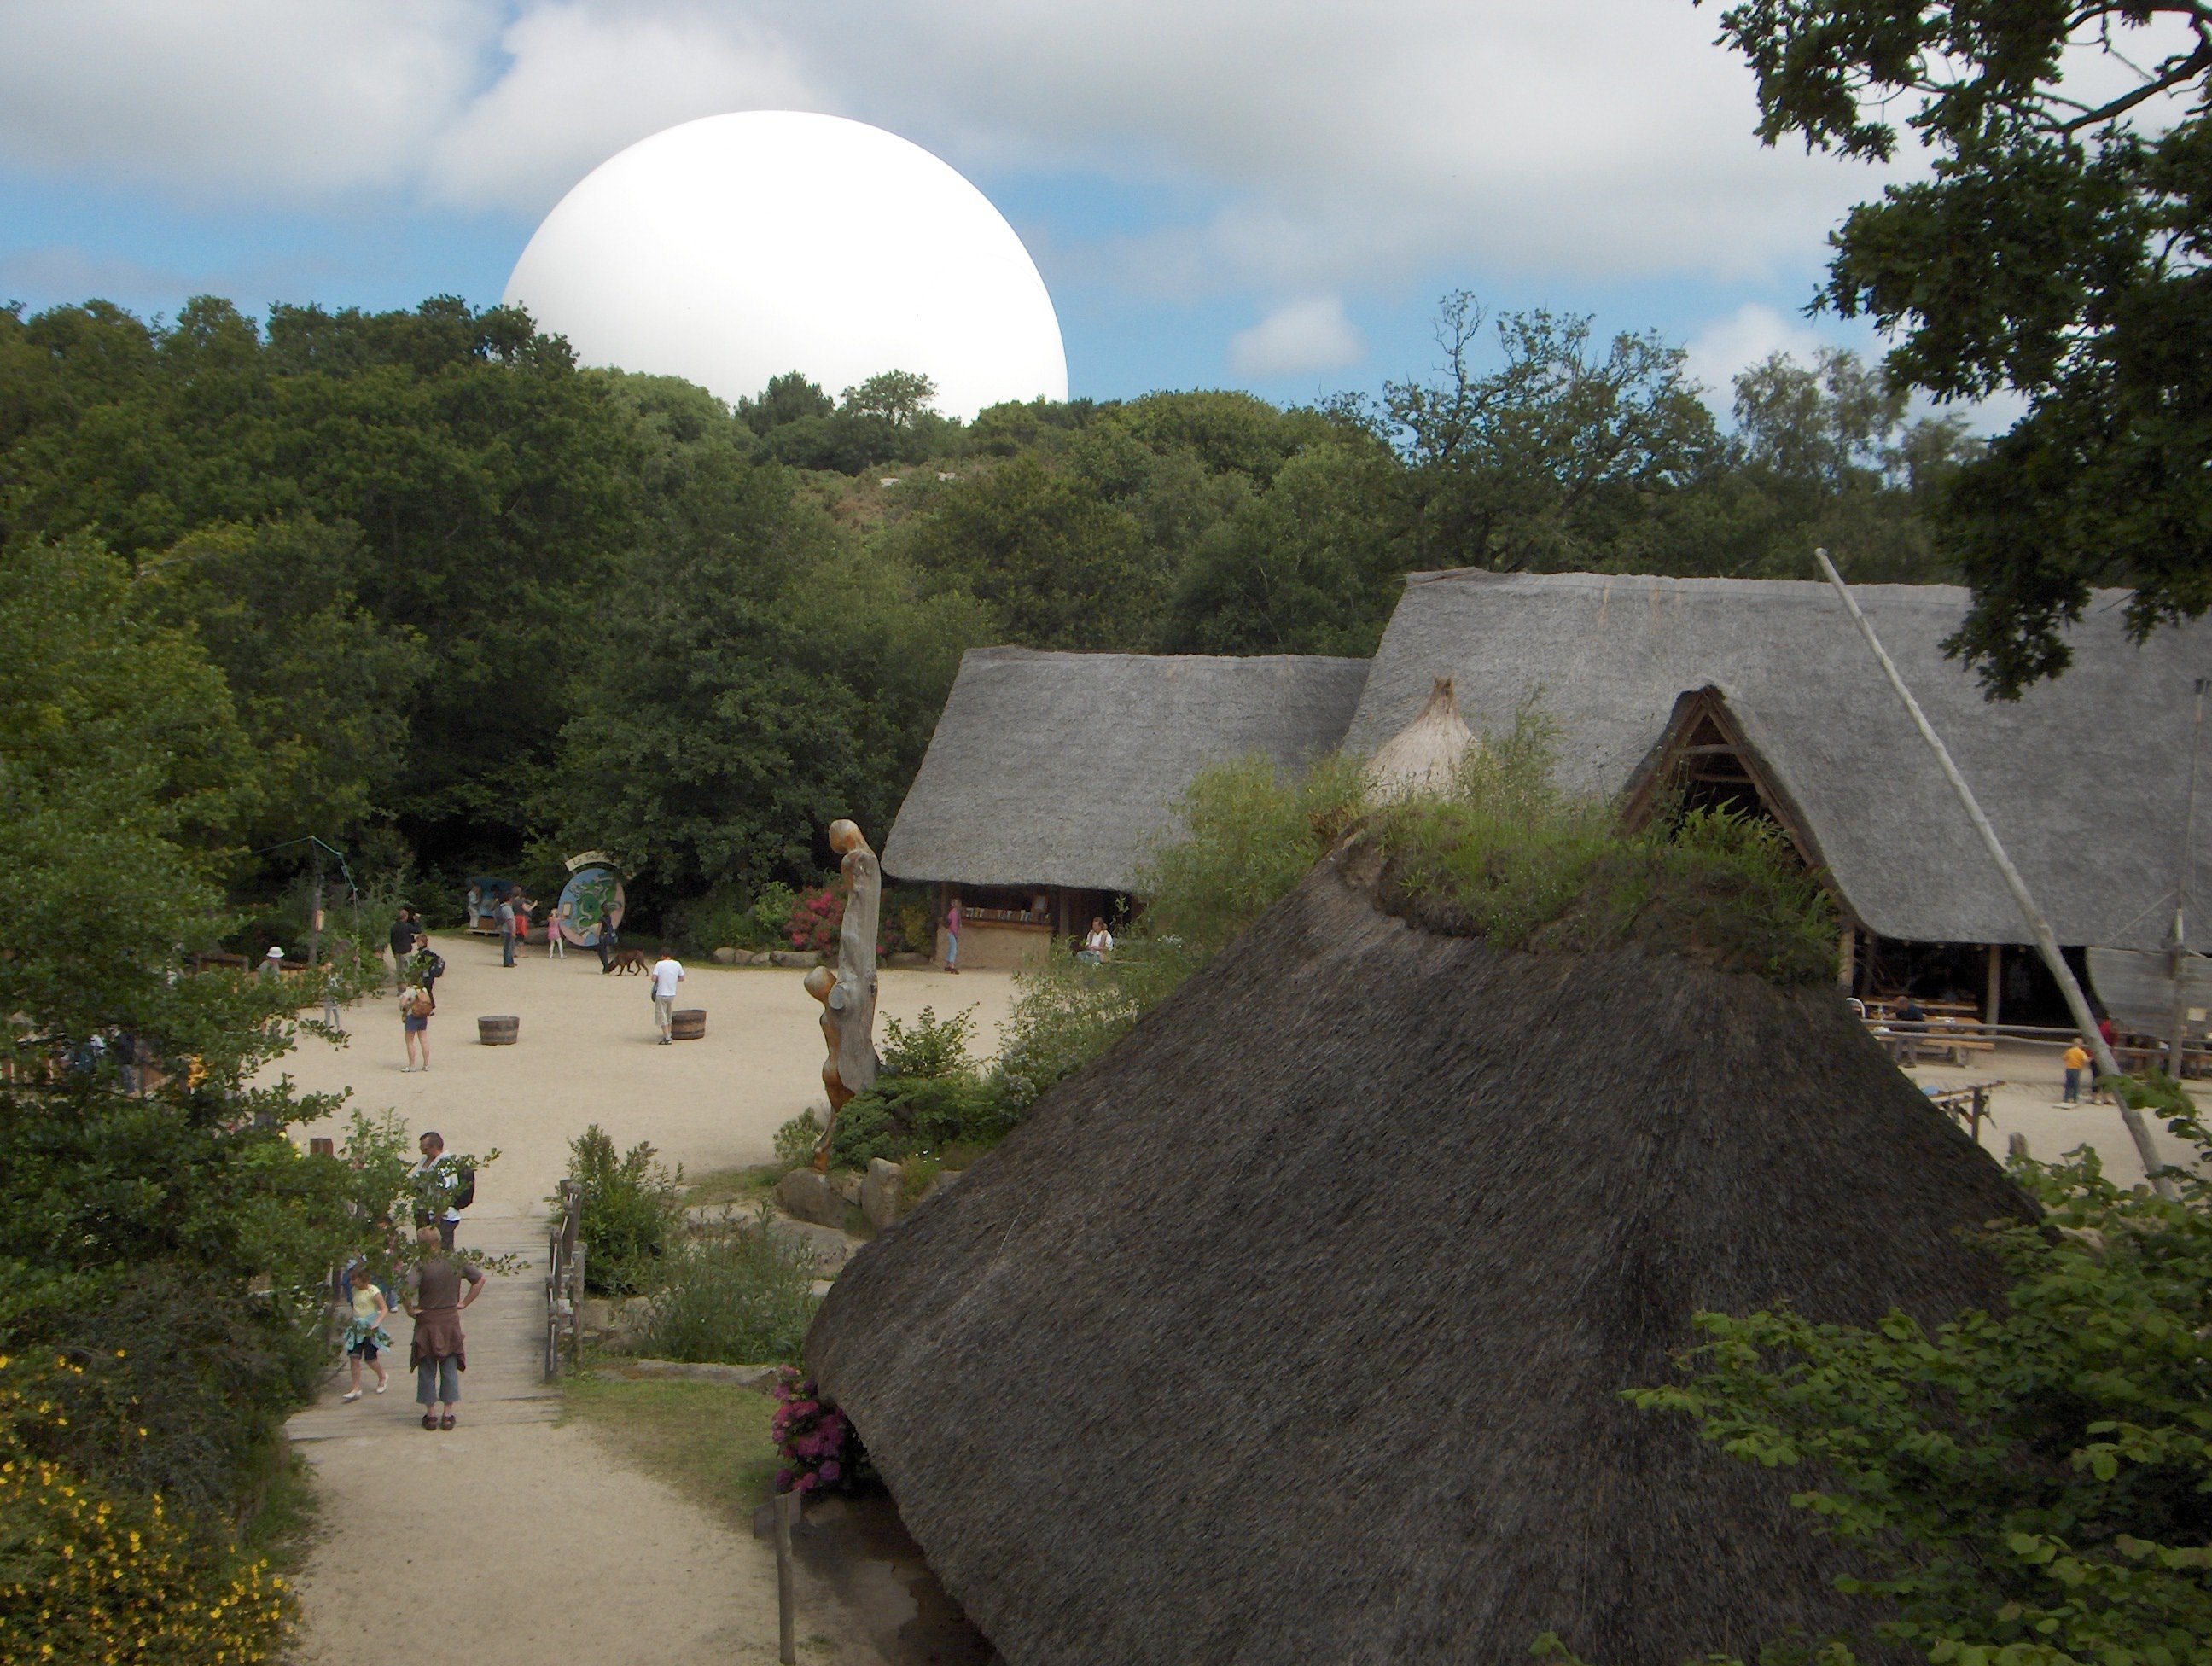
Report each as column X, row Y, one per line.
column 499, row 1032
column 690, row 1024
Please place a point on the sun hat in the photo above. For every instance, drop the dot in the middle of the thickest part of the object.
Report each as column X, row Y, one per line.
column 275, row 954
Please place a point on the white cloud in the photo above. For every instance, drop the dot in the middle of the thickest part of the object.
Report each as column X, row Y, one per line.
column 1747, row 336
column 1331, row 145
column 1297, row 339
column 582, row 84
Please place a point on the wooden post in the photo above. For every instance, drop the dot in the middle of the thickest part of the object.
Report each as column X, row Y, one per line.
column 1993, row 990
column 787, row 1601
column 1847, row 959
column 315, row 920
column 2046, row 944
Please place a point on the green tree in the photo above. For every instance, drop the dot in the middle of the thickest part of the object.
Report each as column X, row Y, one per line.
column 1057, row 564
column 1556, row 458
column 322, row 687
column 2027, row 1486
column 2058, row 247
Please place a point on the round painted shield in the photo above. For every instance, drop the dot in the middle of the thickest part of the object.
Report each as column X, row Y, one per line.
column 592, row 898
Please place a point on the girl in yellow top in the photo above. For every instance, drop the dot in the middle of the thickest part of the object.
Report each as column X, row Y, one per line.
column 365, row 1332
column 2075, row 1059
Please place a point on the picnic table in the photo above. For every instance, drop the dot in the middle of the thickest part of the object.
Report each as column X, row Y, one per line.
column 1906, row 1040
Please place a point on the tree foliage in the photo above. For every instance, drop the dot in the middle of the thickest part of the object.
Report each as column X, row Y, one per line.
column 2058, row 247
column 2030, row 1486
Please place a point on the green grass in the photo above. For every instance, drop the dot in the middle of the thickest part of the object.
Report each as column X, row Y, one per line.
column 744, row 1186
column 284, row 1527
column 708, row 1441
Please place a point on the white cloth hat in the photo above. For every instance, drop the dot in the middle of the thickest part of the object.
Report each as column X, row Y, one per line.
column 275, row 954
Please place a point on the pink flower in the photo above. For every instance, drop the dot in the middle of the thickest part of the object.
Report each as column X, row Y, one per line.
column 828, row 1472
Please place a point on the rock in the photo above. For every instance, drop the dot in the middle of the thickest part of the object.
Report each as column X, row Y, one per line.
column 944, row 1178
column 830, row 1247
column 796, row 959
column 819, row 1288
column 726, row 957
column 596, row 1314
column 806, row 1195
column 880, row 1192
column 846, row 1182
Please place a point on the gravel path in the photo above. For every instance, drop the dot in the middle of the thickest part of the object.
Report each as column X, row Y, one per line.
column 535, row 1540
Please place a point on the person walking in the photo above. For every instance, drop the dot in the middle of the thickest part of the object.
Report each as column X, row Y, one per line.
column 667, row 973
column 434, row 1298
column 416, row 1004
column 557, row 945
column 952, row 937
column 426, row 966
column 608, row 937
column 441, row 1189
column 505, row 917
column 365, row 1336
column 402, row 945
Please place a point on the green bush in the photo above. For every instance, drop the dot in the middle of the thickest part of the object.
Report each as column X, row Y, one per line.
column 930, row 1046
column 796, row 1139
column 2024, row 1487
column 902, row 1116
column 631, row 1206
column 91, row 1572
column 733, row 1297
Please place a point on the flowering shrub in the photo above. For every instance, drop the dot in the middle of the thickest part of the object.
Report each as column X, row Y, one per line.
column 90, row 1578
column 821, row 1453
column 815, row 918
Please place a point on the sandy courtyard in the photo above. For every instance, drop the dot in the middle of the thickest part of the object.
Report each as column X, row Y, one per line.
column 588, row 1052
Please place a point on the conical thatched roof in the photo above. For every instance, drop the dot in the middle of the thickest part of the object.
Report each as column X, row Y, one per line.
column 1293, row 1329
column 1425, row 756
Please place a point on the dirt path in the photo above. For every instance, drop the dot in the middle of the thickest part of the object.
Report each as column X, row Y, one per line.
column 540, row 1543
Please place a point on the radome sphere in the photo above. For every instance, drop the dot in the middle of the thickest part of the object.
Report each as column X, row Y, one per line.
column 729, row 250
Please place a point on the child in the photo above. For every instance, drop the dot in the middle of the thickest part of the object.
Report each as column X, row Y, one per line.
column 2074, row 1058
column 365, row 1331
column 557, row 945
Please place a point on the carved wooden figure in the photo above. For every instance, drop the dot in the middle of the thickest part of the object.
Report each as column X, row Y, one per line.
column 849, row 994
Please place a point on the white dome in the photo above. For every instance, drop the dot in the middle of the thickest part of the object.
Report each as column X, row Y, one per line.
column 731, row 249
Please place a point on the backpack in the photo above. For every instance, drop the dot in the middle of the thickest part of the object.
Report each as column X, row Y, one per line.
column 420, row 1003
column 464, row 1188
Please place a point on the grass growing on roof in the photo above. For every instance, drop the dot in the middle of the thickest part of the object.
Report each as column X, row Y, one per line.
column 1506, row 857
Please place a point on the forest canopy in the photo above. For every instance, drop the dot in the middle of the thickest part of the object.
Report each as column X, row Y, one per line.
column 473, row 606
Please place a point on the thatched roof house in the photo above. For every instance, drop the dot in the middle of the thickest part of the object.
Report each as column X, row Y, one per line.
column 1054, row 769
column 2083, row 778
column 1293, row 1328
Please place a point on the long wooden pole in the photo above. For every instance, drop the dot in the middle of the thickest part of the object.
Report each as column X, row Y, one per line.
column 2178, row 957
column 2046, row 942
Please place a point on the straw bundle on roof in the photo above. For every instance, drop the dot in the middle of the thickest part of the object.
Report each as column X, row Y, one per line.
column 1294, row 1328
column 1423, row 757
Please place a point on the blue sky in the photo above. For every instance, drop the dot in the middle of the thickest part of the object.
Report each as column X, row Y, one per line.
column 1270, row 197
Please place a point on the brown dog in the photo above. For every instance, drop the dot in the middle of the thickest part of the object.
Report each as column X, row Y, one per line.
column 630, row 960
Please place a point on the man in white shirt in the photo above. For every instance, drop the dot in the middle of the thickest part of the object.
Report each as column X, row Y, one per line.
column 437, row 1189
column 667, row 973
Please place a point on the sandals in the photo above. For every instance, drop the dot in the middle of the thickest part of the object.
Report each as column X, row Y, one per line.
column 348, row 1398
column 446, row 1421
column 430, row 1420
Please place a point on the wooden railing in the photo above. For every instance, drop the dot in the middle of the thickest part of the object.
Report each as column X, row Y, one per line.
column 564, row 1281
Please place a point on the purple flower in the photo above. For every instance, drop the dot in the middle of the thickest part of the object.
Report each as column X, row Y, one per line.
column 784, row 1478
column 829, row 1471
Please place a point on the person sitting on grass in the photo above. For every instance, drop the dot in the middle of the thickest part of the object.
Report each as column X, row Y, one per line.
column 364, row 1334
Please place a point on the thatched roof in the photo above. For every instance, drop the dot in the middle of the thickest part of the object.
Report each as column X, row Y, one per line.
column 1425, row 756
column 1293, row 1328
column 2083, row 778
column 1064, row 768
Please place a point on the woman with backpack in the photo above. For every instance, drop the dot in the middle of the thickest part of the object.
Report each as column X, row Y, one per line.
column 416, row 1004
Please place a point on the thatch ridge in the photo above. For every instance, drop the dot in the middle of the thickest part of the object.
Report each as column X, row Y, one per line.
column 1293, row 1328
column 2079, row 776
column 1064, row 768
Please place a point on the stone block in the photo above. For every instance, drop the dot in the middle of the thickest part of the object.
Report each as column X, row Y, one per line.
column 830, row 1247
column 846, row 1182
column 806, row 1195
column 726, row 957
column 880, row 1192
